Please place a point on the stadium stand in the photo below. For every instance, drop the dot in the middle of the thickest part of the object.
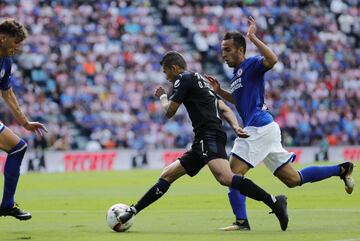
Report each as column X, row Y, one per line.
column 89, row 68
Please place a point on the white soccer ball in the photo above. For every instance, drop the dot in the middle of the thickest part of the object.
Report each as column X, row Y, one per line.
column 113, row 223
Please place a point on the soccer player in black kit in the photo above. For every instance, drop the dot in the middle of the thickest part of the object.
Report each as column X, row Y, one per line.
column 205, row 111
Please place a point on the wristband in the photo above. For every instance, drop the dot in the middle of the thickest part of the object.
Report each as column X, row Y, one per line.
column 163, row 96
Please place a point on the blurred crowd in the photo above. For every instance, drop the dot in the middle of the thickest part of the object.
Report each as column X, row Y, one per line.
column 89, row 68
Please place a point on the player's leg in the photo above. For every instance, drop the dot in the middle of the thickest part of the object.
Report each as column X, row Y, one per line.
column 223, row 174
column 278, row 161
column 236, row 199
column 318, row 173
column 188, row 164
column 293, row 178
column 168, row 176
column 16, row 148
column 245, row 154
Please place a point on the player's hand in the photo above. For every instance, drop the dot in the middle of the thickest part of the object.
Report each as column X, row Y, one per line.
column 36, row 127
column 240, row 132
column 213, row 82
column 159, row 91
column 252, row 28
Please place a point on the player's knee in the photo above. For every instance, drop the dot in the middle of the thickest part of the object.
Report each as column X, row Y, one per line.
column 223, row 180
column 238, row 167
column 21, row 147
column 167, row 174
column 167, row 178
column 292, row 182
column 234, row 168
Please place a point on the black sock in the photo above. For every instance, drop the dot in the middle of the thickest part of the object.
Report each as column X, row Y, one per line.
column 152, row 194
column 251, row 190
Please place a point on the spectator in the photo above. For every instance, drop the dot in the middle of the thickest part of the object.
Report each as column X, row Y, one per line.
column 93, row 67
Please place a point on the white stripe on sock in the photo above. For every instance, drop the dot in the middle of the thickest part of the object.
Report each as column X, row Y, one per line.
column 22, row 148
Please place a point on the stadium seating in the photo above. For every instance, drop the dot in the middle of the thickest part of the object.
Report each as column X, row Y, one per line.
column 89, row 70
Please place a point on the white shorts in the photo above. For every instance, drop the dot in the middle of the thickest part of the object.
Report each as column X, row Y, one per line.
column 263, row 144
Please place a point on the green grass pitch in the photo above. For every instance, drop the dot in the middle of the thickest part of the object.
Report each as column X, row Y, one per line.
column 72, row 207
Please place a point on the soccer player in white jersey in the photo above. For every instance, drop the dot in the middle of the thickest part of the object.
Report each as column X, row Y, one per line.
column 264, row 144
column 12, row 34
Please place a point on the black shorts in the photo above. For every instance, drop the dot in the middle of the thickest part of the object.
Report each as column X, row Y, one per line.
column 204, row 149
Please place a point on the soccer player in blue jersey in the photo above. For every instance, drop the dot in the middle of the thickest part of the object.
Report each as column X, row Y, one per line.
column 264, row 144
column 12, row 34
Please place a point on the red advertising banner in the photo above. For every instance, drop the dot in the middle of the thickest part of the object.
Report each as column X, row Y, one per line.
column 351, row 153
column 122, row 159
column 89, row 161
column 171, row 156
column 2, row 163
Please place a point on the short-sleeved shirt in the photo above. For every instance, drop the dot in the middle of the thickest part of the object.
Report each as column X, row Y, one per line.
column 247, row 88
column 5, row 73
column 203, row 109
column 200, row 102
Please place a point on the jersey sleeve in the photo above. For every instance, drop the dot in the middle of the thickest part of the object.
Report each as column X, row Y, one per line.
column 180, row 90
column 6, row 84
column 258, row 65
column 5, row 80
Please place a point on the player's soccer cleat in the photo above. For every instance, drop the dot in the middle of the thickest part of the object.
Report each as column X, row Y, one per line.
column 15, row 212
column 346, row 176
column 241, row 226
column 280, row 210
column 123, row 217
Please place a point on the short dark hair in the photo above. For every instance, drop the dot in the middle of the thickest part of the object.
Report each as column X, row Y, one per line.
column 14, row 29
column 173, row 58
column 239, row 39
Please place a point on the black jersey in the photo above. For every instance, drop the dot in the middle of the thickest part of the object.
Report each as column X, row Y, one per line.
column 200, row 102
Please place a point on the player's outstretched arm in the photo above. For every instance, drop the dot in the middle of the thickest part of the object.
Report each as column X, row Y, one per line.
column 170, row 107
column 10, row 99
column 218, row 90
column 270, row 57
column 231, row 119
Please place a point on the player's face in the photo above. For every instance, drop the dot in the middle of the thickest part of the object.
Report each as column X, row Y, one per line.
column 170, row 73
column 231, row 54
column 8, row 45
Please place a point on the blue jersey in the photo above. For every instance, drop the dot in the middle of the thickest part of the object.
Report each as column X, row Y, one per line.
column 5, row 73
column 247, row 89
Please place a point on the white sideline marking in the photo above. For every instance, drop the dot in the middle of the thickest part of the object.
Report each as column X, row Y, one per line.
column 291, row 210
column 352, row 239
column 68, row 211
column 325, row 210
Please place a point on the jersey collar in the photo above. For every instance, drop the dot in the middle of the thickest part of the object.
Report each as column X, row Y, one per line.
column 238, row 67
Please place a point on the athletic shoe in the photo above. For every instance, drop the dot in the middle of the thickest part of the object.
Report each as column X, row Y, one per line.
column 125, row 216
column 15, row 212
column 346, row 176
column 280, row 210
column 243, row 226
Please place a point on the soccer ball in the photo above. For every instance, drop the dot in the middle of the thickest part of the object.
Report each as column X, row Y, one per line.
column 113, row 223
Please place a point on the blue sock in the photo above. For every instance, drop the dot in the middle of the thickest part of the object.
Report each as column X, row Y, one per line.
column 12, row 173
column 238, row 203
column 318, row 173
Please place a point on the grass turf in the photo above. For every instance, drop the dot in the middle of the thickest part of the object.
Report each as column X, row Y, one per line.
column 72, row 206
